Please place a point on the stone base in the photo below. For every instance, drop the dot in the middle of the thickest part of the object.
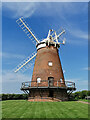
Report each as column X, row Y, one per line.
column 50, row 95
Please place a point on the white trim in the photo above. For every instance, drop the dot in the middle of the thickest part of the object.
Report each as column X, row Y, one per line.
column 41, row 46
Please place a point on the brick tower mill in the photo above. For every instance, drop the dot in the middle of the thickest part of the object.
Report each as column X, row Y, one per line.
column 48, row 83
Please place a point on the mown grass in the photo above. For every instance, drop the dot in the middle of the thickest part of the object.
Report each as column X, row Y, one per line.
column 25, row 109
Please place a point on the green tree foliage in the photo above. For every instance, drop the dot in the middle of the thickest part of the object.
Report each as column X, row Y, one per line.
column 14, row 96
column 80, row 94
column 74, row 96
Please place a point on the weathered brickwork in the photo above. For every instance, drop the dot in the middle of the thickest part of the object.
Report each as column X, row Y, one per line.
column 48, row 95
column 43, row 70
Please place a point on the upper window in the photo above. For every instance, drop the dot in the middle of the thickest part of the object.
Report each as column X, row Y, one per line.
column 50, row 63
column 38, row 80
column 61, row 80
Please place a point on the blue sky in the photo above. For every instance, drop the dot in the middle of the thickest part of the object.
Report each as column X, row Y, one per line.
column 41, row 17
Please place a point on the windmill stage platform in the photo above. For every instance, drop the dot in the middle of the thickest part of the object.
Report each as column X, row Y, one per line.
column 44, row 91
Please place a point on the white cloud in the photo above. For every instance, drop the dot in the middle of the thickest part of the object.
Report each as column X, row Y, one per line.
column 73, row 79
column 8, row 76
column 27, row 9
column 86, row 68
column 79, row 33
column 11, row 82
column 11, row 60
column 11, row 55
column 21, row 9
column 80, row 36
column 77, row 42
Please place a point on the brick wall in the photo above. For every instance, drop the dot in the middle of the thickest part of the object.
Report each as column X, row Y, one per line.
column 43, row 70
column 44, row 95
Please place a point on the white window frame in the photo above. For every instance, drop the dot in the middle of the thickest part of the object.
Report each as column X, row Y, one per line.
column 38, row 79
column 50, row 63
column 61, row 80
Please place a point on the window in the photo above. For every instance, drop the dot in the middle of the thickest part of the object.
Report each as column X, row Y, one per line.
column 38, row 80
column 61, row 80
column 50, row 63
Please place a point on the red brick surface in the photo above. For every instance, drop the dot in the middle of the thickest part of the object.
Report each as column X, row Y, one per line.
column 44, row 95
column 44, row 100
column 42, row 70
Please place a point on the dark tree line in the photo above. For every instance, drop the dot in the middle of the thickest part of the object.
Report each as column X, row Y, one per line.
column 74, row 96
column 80, row 95
column 13, row 96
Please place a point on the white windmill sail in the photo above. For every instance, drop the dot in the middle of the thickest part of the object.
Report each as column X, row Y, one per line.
column 52, row 37
column 25, row 62
column 25, row 27
column 53, row 34
column 57, row 36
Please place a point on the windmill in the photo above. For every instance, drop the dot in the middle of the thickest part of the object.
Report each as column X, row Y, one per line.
column 48, row 81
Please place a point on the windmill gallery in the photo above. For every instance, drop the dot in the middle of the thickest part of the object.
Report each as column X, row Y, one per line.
column 48, row 83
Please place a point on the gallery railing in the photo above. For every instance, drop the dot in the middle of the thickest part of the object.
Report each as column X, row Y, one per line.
column 46, row 83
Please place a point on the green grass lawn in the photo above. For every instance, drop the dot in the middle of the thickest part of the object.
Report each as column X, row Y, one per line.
column 25, row 109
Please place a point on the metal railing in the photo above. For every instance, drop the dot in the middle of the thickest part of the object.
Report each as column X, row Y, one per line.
column 46, row 83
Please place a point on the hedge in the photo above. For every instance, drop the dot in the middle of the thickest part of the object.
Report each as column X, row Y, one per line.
column 14, row 96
